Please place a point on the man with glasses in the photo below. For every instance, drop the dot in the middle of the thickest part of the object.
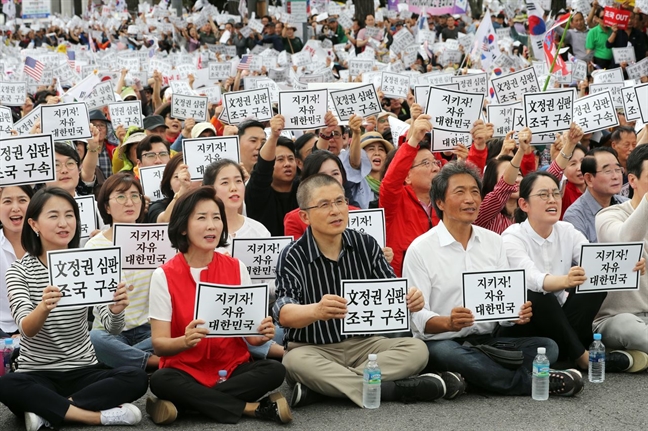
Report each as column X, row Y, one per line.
column 99, row 120
column 336, row 139
column 603, row 176
column 319, row 359
column 152, row 150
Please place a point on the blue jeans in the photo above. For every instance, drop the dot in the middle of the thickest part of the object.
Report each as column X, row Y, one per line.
column 481, row 371
column 261, row 352
column 129, row 348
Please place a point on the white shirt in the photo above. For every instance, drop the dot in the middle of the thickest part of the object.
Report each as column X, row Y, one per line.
column 540, row 257
column 7, row 257
column 250, row 229
column 434, row 263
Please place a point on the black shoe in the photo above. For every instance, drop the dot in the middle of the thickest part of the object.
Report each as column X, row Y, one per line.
column 426, row 387
column 454, row 383
column 274, row 408
column 302, row 396
column 618, row 361
column 567, row 383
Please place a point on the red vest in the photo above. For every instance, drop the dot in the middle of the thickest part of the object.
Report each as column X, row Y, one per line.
column 211, row 354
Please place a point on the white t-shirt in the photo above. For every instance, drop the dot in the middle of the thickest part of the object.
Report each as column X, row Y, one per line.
column 250, row 229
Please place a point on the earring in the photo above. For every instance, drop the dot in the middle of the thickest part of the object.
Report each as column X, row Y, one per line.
column 37, row 233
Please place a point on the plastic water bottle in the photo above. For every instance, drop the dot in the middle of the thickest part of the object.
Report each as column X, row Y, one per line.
column 596, row 372
column 222, row 376
column 371, row 385
column 540, row 382
column 7, row 353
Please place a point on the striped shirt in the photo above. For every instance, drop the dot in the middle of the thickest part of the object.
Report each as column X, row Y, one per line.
column 304, row 276
column 63, row 343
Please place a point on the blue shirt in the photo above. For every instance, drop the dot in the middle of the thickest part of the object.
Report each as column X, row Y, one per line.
column 582, row 212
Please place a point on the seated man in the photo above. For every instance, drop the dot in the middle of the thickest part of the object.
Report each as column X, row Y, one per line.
column 319, row 360
column 623, row 317
column 435, row 262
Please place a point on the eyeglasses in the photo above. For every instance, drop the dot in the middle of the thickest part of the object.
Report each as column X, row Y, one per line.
column 383, row 120
column 611, row 171
column 328, row 205
column 134, row 197
column 100, row 125
column 545, row 195
column 69, row 165
column 336, row 134
column 152, row 156
column 427, row 163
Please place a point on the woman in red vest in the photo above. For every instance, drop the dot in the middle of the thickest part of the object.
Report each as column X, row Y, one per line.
column 190, row 362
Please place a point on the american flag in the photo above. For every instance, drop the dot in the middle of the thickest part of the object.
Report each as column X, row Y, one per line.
column 71, row 55
column 34, row 68
column 244, row 64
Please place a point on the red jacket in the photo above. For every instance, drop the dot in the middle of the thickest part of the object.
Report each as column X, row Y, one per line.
column 405, row 218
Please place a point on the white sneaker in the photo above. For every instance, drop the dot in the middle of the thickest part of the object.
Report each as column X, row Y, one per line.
column 126, row 414
column 33, row 422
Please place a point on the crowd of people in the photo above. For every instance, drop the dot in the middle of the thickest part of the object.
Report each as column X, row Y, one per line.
column 498, row 203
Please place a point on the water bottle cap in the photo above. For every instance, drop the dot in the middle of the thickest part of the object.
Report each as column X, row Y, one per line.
column 373, row 357
column 597, row 336
column 542, row 350
column 222, row 373
column 8, row 341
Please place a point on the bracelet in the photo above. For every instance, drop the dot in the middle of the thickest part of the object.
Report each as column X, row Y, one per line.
column 565, row 155
column 94, row 151
column 516, row 167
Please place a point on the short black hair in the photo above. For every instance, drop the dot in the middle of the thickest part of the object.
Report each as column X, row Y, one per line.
column 526, row 187
column 310, row 184
column 182, row 211
column 588, row 165
column 286, row 142
column 32, row 242
column 615, row 136
column 247, row 124
column 314, row 162
column 635, row 162
column 146, row 144
column 121, row 182
column 212, row 170
column 67, row 150
column 27, row 189
column 167, row 175
column 301, row 142
column 442, row 179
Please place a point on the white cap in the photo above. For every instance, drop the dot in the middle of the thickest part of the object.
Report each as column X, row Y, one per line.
column 542, row 350
column 373, row 357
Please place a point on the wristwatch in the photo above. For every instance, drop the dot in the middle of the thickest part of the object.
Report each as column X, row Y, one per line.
column 326, row 137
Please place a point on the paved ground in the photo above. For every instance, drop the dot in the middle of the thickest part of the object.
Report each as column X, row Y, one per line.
column 621, row 403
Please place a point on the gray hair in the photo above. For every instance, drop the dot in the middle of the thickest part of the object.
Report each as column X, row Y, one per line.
column 440, row 182
column 307, row 187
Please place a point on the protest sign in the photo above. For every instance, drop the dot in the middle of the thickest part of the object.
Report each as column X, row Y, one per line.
column 637, row 70
column 150, row 178
column 472, row 82
column 421, row 92
column 565, row 79
column 609, row 267
column 303, row 109
column 494, row 296
column 370, row 222
column 260, row 255
column 595, row 112
column 6, row 122
column 26, row 123
column 618, row 17
column 551, row 111
column 509, row 88
column 126, row 114
column 402, row 40
column 101, row 95
column 394, row 85
column 85, row 276
column 614, row 88
column 630, row 104
column 361, row 100
column 398, row 128
column 184, row 106
column 231, row 311
column 624, row 55
column 87, row 214
column 453, row 110
column 241, row 105
column 181, row 87
column 579, row 70
column 607, row 76
column 435, row 78
column 642, row 99
column 13, row 93
column 26, row 160
column 446, row 140
column 501, row 116
column 66, row 121
column 375, row 306
column 143, row 245
column 213, row 94
column 358, row 66
column 200, row 152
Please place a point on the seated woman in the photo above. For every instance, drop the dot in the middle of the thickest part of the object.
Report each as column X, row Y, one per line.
column 176, row 181
column 190, row 362
column 120, row 201
column 548, row 250
column 58, row 378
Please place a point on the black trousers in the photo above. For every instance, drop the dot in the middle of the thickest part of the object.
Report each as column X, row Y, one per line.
column 570, row 326
column 93, row 388
column 224, row 402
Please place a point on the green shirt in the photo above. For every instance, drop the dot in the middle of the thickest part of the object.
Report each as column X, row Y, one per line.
column 596, row 39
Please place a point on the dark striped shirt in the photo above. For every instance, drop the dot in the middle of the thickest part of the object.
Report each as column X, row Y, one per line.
column 63, row 343
column 304, row 276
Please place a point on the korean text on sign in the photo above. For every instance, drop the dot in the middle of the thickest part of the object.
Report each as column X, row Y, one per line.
column 87, row 214
column 67, row 121
column 126, row 114
column 184, row 106
column 303, row 109
column 551, row 111
column 200, row 152
column 509, row 88
column 85, row 277
column 26, row 160
column 453, row 110
column 595, row 112
column 370, row 222
column 608, row 267
column 231, row 311
column 494, row 295
column 260, row 255
column 375, row 306
column 151, row 177
column 144, row 246
column 240, row 105
column 361, row 100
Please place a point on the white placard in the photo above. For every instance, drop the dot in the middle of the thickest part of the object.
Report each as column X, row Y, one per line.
column 435, row 78
column 260, row 255
column 144, row 245
column 361, row 100
column 494, row 296
column 26, row 160
column 271, row 86
column 66, row 121
column 421, row 92
column 608, row 267
column 303, row 109
column 370, row 222
column 637, row 70
column 213, row 94
column 472, row 82
column 241, row 105
column 375, row 306
column 551, row 111
column 595, row 112
column 624, row 55
column 26, row 123
column 231, row 311
column 200, row 152
column 150, row 177
column 511, row 87
column 446, row 140
column 630, row 104
column 181, row 87
column 402, row 40
column 398, row 128
column 13, row 93
column 85, row 276
column 501, row 116
column 87, row 214
column 394, row 85
column 608, row 76
column 184, row 106
column 6, row 123
column 453, row 110
column 219, row 71
column 579, row 70
column 642, row 99
column 358, row 66
column 101, row 95
column 615, row 91
column 126, row 114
